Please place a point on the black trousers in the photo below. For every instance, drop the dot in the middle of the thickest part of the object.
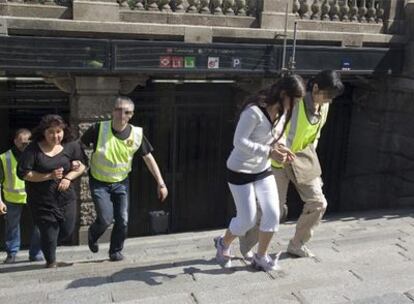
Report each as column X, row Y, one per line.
column 51, row 233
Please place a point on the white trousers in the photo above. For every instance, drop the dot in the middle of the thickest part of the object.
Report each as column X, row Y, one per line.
column 264, row 192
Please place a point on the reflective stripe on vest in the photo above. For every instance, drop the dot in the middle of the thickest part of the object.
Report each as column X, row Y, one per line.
column 13, row 186
column 300, row 132
column 112, row 160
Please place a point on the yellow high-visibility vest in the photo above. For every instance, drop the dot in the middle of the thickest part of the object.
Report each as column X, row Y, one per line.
column 13, row 187
column 300, row 132
column 112, row 160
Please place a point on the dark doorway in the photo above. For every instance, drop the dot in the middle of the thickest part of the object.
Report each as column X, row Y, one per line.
column 191, row 128
column 22, row 104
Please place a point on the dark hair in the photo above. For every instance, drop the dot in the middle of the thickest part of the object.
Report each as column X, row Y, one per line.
column 48, row 121
column 327, row 80
column 291, row 84
column 21, row 131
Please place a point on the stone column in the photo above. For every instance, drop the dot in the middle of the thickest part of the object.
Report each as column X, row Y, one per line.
column 393, row 16
column 96, row 10
column 273, row 14
column 409, row 58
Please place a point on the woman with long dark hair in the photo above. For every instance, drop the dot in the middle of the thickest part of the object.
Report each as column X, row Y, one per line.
column 261, row 124
column 46, row 165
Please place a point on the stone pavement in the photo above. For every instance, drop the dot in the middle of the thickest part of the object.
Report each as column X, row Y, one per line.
column 361, row 258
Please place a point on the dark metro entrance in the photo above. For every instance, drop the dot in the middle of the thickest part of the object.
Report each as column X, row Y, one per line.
column 191, row 128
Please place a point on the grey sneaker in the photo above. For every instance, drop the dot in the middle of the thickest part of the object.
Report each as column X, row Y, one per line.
column 10, row 259
column 223, row 254
column 299, row 251
column 265, row 263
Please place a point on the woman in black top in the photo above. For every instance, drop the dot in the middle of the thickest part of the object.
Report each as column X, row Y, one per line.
column 46, row 166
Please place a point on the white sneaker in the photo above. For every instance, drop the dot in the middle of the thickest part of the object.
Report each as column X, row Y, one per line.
column 223, row 254
column 265, row 263
column 299, row 251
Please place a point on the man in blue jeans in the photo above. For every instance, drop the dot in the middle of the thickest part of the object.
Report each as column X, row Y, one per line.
column 115, row 142
column 14, row 196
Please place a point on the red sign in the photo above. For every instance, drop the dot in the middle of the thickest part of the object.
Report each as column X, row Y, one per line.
column 165, row 61
column 177, row 62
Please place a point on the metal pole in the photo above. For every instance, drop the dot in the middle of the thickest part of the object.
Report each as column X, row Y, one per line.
column 285, row 39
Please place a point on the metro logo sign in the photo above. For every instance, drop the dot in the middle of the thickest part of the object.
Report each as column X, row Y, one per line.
column 165, row 61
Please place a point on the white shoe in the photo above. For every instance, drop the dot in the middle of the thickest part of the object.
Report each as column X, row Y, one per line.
column 223, row 254
column 265, row 263
column 299, row 251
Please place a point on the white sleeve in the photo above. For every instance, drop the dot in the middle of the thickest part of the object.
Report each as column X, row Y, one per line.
column 246, row 125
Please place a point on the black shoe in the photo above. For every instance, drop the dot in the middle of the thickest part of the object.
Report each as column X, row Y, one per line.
column 10, row 259
column 116, row 256
column 93, row 246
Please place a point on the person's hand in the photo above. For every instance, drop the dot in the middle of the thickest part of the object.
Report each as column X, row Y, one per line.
column 290, row 156
column 162, row 192
column 57, row 173
column 64, row 184
column 75, row 165
column 281, row 154
column 3, row 208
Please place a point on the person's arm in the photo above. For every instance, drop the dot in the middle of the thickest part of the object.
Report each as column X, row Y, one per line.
column 78, row 156
column 90, row 137
column 36, row 177
column 247, row 123
column 3, row 208
column 155, row 171
column 71, row 176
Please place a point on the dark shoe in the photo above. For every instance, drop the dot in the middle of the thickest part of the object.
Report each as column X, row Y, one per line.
column 51, row 265
column 116, row 256
column 93, row 246
column 10, row 259
column 37, row 258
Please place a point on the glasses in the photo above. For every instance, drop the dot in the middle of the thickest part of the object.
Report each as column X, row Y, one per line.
column 125, row 111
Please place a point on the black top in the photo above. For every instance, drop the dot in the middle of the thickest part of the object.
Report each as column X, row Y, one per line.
column 16, row 153
column 91, row 137
column 46, row 201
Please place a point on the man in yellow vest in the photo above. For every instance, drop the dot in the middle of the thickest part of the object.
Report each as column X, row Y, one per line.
column 301, row 135
column 14, row 199
column 115, row 142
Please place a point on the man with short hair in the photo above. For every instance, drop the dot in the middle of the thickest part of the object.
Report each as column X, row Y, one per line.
column 14, row 197
column 115, row 142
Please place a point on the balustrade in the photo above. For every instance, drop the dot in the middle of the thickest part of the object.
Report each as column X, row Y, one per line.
column 364, row 11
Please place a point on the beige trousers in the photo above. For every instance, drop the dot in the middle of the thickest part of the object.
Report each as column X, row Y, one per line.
column 313, row 209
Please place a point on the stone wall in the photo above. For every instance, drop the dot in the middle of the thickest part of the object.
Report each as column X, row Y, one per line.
column 379, row 171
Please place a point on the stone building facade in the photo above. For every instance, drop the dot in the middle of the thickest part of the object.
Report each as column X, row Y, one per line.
column 366, row 153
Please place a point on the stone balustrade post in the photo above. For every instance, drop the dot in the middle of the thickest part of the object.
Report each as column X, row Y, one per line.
column 273, row 14
column 96, row 10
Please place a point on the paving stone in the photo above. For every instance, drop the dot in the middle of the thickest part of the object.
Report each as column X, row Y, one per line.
column 391, row 298
column 180, row 298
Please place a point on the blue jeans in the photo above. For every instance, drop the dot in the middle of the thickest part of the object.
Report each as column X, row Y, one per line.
column 12, row 220
column 111, row 204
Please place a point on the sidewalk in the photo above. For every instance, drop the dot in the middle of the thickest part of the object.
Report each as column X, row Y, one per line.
column 361, row 258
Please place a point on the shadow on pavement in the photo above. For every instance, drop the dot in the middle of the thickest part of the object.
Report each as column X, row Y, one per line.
column 153, row 275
